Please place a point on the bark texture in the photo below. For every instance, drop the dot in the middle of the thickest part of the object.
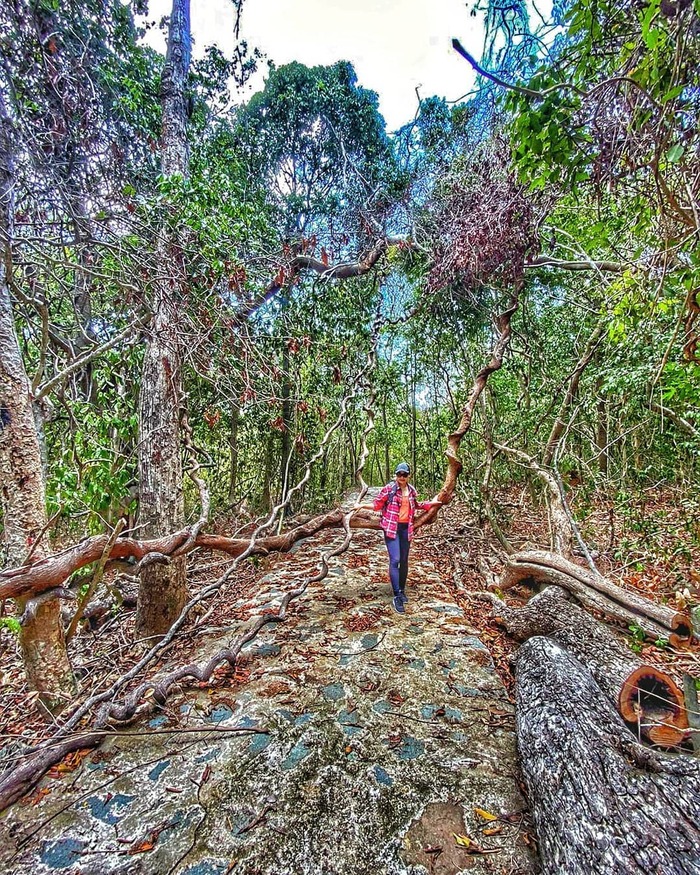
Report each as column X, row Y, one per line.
column 551, row 613
column 596, row 592
column 602, row 804
column 21, row 475
column 163, row 591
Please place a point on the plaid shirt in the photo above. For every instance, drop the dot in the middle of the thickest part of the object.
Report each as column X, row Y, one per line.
column 390, row 508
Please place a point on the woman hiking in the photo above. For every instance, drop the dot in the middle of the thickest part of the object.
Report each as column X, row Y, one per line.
column 397, row 502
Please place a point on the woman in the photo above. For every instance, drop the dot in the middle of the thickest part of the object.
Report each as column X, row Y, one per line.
column 398, row 502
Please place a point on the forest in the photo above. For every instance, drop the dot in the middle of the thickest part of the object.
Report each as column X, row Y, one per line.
column 224, row 322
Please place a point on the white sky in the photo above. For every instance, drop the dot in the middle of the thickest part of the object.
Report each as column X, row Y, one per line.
column 394, row 45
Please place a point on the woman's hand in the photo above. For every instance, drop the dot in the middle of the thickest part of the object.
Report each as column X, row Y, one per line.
column 362, row 507
column 434, row 501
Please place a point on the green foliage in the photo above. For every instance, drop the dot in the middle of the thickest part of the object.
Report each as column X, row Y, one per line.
column 12, row 624
column 637, row 638
column 615, row 105
column 320, row 143
column 596, row 166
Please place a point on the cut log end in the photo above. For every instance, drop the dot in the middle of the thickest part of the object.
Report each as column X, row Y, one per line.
column 682, row 625
column 682, row 631
column 653, row 703
column 678, row 642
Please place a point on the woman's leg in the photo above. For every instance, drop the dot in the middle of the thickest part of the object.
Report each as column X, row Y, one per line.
column 393, row 548
column 404, row 546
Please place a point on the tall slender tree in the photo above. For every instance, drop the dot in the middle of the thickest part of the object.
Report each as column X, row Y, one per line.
column 163, row 590
column 22, row 487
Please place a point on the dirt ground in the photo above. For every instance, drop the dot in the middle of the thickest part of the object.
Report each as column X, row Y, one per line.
column 347, row 739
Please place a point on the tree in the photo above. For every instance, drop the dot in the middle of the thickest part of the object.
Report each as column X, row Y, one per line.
column 163, row 588
column 21, row 475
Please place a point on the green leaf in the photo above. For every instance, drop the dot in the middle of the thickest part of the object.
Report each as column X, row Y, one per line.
column 651, row 38
column 673, row 93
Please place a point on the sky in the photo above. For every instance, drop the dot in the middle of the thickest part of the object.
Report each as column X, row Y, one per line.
column 395, row 46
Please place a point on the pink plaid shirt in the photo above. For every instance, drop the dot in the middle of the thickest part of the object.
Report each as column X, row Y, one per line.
column 390, row 509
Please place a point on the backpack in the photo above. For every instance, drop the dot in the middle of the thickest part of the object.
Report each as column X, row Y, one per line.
column 392, row 493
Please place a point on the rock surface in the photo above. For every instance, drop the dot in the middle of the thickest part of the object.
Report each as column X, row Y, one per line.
column 371, row 739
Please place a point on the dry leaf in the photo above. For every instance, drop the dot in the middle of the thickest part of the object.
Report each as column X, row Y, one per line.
column 492, row 830
column 35, row 798
column 485, row 815
column 471, row 846
column 142, row 847
column 69, row 763
column 395, row 697
column 394, row 740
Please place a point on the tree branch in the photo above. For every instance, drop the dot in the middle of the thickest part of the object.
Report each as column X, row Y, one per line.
column 94, row 353
column 549, row 261
column 520, row 89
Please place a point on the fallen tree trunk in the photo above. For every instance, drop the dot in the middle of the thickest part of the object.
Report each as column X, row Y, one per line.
column 591, row 599
column 621, row 604
column 649, row 700
column 602, row 804
column 54, row 570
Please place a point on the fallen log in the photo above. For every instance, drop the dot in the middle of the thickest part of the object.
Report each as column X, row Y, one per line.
column 592, row 599
column 649, row 700
column 621, row 604
column 602, row 804
column 54, row 570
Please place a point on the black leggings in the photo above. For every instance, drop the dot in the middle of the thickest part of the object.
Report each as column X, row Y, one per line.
column 398, row 548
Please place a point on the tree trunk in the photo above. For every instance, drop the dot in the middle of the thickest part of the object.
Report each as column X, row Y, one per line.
column 233, row 452
column 266, row 496
column 660, row 716
column 454, row 463
column 414, row 433
column 387, row 460
column 42, row 641
column 286, row 460
column 601, row 433
column 163, row 590
column 602, row 804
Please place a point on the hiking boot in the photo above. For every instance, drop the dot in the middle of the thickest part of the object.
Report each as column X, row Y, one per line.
column 397, row 604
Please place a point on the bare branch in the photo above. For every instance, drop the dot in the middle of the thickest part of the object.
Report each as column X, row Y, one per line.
column 562, row 264
column 89, row 356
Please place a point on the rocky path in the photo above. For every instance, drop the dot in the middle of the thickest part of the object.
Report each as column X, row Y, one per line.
column 350, row 740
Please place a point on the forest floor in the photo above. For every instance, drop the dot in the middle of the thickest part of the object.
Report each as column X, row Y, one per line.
column 347, row 739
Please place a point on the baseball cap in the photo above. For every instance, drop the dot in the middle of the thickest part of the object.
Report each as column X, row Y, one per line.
column 402, row 468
